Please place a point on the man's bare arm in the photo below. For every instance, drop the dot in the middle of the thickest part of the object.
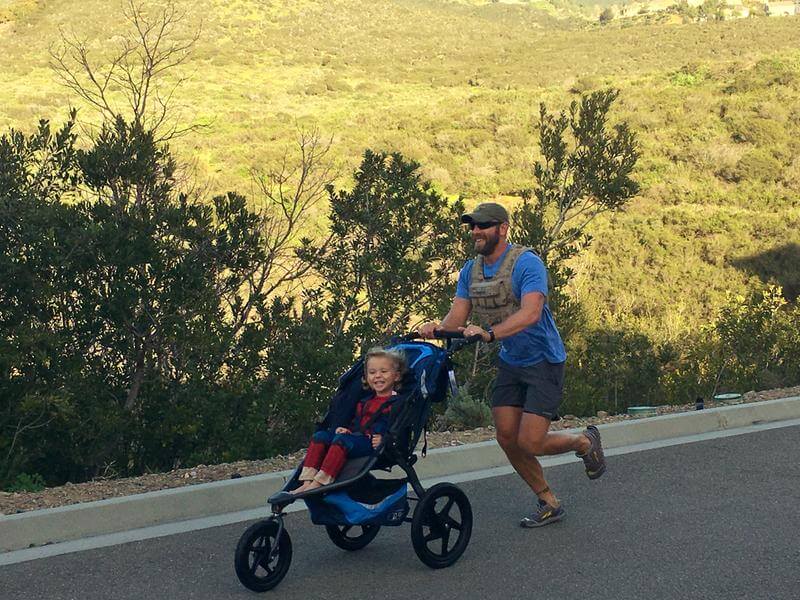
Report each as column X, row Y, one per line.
column 455, row 319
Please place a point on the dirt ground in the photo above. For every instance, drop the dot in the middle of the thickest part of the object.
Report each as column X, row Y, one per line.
column 100, row 489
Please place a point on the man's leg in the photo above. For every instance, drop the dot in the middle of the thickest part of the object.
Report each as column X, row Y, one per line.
column 544, row 387
column 508, row 421
column 535, row 438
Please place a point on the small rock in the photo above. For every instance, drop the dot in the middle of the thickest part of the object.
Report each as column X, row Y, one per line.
column 601, row 414
column 569, row 417
column 236, row 476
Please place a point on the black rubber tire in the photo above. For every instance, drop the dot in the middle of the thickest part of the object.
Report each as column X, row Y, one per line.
column 435, row 519
column 253, row 547
column 339, row 535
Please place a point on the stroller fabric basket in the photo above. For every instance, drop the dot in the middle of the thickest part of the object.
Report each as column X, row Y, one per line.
column 373, row 502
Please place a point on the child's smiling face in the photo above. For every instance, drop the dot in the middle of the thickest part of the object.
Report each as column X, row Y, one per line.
column 382, row 375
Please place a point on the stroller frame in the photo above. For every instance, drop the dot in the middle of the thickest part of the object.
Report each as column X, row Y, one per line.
column 264, row 552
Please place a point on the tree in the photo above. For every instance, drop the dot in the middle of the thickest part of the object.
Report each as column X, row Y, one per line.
column 113, row 307
column 290, row 193
column 713, row 9
column 395, row 242
column 607, row 15
column 162, row 322
column 577, row 180
column 145, row 53
column 36, row 279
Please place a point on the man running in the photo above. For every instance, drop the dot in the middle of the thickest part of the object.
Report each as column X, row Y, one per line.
column 505, row 288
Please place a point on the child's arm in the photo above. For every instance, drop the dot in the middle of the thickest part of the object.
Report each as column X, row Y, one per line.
column 381, row 425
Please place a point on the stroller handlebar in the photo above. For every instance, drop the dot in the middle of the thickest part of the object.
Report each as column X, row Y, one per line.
column 441, row 334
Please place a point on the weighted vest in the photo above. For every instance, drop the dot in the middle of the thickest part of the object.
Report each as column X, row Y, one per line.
column 493, row 299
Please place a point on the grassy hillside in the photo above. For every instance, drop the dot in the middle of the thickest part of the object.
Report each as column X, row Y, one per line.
column 456, row 86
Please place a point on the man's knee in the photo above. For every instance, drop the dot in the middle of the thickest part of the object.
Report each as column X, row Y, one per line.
column 506, row 422
column 531, row 445
column 507, row 439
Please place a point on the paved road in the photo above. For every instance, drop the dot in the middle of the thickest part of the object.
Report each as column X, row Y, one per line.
column 715, row 519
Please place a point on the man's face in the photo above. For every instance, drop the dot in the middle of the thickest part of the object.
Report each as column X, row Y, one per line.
column 485, row 239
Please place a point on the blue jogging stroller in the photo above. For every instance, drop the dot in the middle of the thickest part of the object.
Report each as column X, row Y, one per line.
column 357, row 504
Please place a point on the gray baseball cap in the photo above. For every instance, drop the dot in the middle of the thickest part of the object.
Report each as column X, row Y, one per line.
column 486, row 212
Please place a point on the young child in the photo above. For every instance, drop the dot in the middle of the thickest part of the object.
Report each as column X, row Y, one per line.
column 327, row 452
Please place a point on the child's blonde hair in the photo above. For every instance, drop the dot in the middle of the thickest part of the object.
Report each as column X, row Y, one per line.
column 396, row 356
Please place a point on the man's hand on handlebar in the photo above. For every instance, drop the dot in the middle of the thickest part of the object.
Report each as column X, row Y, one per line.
column 426, row 330
column 473, row 330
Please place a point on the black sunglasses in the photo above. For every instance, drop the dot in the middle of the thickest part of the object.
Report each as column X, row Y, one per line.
column 483, row 224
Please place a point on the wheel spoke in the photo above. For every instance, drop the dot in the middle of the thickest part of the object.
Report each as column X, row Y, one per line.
column 345, row 529
column 433, row 535
column 445, row 540
column 259, row 554
column 453, row 523
column 446, row 510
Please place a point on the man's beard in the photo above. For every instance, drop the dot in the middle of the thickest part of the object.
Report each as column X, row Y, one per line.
column 489, row 244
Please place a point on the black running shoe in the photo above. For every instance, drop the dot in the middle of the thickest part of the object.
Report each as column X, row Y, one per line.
column 593, row 460
column 545, row 515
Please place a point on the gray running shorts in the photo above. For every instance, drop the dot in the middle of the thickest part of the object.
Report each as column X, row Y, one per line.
column 536, row 389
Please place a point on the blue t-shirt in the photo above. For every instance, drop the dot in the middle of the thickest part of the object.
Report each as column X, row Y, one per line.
column 533, row 344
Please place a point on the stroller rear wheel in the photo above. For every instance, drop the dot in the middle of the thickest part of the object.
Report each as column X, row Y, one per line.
column 442, row 525
column 348, row 538
column 262, row 559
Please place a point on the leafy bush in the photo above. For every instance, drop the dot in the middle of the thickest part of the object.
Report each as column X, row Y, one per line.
column 134, row 336
column 26, row 483
column 610, row 370
column 767, row 72
column 465, row 412
column 757, row 165
column 689, row 75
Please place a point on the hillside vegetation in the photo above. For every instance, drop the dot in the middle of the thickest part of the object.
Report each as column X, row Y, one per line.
column 456, row 86
column 674, row 295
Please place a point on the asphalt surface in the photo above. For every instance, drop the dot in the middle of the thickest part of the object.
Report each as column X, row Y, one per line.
column 714, row 519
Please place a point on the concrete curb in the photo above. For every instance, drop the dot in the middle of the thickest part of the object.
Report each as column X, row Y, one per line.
column 37, row 528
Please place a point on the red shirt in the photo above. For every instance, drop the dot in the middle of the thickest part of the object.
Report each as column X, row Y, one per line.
column 365, row 411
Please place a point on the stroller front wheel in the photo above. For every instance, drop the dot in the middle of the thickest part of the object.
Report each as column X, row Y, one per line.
column 342, row 536
column 263, row 556
column 442, row 525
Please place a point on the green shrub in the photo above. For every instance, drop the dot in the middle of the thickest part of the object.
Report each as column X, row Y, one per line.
column 767, row 72
column 610, row 370
column 585, row 84
column 27, row 483
column 465, row 412
column 757, row 165
column 689, row 75
column 759, row 131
